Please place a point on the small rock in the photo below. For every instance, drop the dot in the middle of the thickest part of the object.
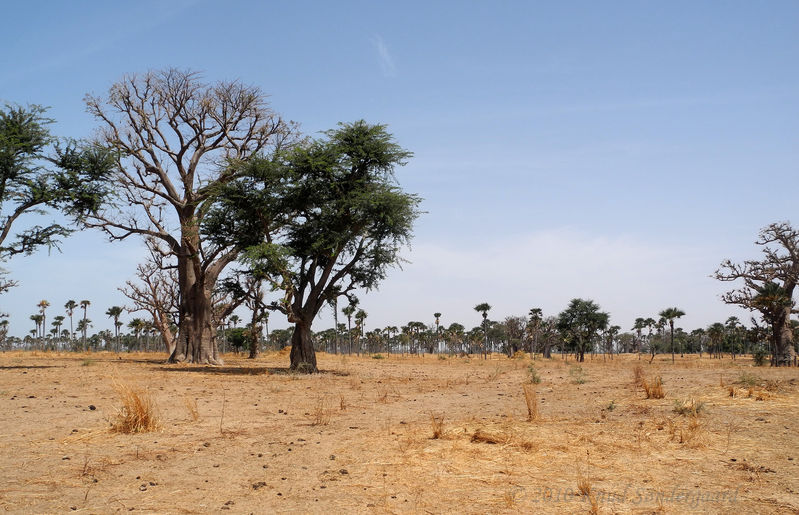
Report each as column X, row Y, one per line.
column 65, row 458
column 92, row 407
column 343, row 472
column 259, row 484
column 143, row 487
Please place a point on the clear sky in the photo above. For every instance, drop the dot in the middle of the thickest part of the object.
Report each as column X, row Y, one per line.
column 616, row 151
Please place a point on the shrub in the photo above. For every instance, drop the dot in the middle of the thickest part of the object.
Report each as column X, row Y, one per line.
column 759, row 356
column 577, row 374
column 690, row 407
column 532, row 374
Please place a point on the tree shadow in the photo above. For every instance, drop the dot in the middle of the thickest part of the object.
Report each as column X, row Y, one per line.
column 12, row 367
column 244, row 371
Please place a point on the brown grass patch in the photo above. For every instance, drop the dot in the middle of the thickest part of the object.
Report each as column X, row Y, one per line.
column 653, row 389
column 437, row 423
column 191, row 407
column 532, row 402
column 638, row 376
column 490, row 437
column 138, row 411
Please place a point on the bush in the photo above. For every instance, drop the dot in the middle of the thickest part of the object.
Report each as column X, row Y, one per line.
column 759, row 355
column 577, row 374
column 532, row 374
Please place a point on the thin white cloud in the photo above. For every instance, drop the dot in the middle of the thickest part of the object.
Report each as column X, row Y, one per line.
column 386, row 61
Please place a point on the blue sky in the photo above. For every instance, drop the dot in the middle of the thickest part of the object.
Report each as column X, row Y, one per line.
column 610, row 150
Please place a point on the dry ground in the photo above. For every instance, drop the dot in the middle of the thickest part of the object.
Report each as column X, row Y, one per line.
column 358, row 436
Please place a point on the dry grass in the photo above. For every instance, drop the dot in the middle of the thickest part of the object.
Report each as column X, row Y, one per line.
column 691, row 407
column 437, row 424
column 138, row 412
column 638, row 376
column 191, row 407
column 532, row 402
column 320, row 414
column 653, row 389
column 487, row 458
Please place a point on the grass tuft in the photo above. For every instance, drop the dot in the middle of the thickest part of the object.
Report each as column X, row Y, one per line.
column 437, row 423
column 653, row 390
column 532, row 402
column 690, row 407
column 138, row 413
column 191, row 407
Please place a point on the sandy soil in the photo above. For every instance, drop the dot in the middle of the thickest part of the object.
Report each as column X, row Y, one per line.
column 358, row 436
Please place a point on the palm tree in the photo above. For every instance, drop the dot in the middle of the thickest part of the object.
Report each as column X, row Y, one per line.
column 84, row 304
column 58, row 321
column 137, row 325
column 348, row 311
column 484, row 308
column 716, row 333
column 70, row 308
column 638, row 326
column 360, row 319
column 43, row 305
column 438, row 321
column 670, row 314
column 114, row 312
column 534, row 327
column 234, row 319
column 83, row 327
column 37, row 319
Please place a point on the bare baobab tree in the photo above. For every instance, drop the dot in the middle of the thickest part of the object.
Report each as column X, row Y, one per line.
column 175, row 138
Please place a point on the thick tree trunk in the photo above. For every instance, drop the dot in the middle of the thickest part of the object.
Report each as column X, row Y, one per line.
column 196, row 341
column 303, row 355
column 784, row 353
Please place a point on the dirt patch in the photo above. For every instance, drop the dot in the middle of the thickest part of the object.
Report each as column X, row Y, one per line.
column 400, row 434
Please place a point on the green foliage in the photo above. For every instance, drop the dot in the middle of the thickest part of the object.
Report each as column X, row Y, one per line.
column 611, row 406
column 580, row 322
column 759, row 355
column 320, row 219
column 378, row 356
column 532, row 374
column 72, row 179
column 749, row 379
column 691, row 407
column 239, row 338
column 577, row 374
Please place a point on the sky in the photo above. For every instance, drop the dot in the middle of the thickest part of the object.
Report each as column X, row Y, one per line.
column 616, row 151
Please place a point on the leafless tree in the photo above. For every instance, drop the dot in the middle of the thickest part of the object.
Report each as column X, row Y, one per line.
column 156, row 292
column 768, row 285
column 176, row 138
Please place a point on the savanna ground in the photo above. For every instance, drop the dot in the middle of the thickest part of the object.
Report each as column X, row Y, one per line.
column 249, row 437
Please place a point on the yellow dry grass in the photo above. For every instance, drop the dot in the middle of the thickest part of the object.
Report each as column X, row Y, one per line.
column 361, row 436
column 137, row 414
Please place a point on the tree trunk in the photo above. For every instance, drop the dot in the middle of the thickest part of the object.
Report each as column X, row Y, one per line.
column 196, row 342
column 784, row 353
column 303, row 355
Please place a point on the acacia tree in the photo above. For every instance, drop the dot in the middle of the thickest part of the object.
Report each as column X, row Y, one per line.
column 319, row 222
column 37, row 173
column 177, row 140
column 580, row 322
column 768, row 285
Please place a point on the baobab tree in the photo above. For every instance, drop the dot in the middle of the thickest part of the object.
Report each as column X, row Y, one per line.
column 176, row 139
column 768, row 285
